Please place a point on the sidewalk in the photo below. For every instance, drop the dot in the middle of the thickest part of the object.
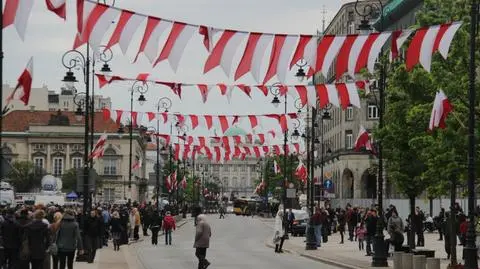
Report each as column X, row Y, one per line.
column 126, row 258
column 347, row 255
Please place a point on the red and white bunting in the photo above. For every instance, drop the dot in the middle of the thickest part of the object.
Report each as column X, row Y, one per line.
column 127, row 26
column 441, row 108
column 150, row 41
column 58, row 7
column 17, row 12
column 428, row 40
column 180, row 35
column 96, row 21
column 339, row 95
column 24, row 85
column 224, row 51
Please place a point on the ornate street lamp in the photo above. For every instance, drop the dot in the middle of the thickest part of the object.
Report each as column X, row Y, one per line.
column 71, row 60
column 142, row 88
column 370, row 11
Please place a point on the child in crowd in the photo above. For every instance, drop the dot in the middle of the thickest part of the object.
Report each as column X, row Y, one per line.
column 360, row 234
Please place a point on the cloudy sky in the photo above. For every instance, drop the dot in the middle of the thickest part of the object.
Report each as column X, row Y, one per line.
column 48, row 37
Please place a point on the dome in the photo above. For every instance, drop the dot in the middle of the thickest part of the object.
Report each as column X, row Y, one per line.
column 49, row 183
column 235, row 130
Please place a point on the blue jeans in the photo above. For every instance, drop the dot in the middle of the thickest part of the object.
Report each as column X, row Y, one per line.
column 168, row 237
column 318, row 234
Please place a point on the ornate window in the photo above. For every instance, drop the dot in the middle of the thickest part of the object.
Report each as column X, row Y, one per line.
column 57, row 166
column 39, row 162
column 39, row 147
column 58, row 147
column 110, row 162
column 77, row 162
column 77, row 147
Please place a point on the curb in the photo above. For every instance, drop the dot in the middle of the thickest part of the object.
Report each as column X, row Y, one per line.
column 318, row 259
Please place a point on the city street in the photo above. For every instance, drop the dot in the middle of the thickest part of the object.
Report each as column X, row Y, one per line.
column 237, row 242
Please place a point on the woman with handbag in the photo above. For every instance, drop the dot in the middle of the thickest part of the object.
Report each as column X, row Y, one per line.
column 68, row 240
column 53, row 251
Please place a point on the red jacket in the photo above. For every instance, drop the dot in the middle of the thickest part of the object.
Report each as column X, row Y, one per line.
column 463, row 227
column 169, row 223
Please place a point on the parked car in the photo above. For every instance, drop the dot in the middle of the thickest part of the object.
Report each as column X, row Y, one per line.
column 299, row 225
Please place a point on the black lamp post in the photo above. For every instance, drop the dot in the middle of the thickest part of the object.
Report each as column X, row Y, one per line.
column 74, row 59
column 325, row 115
column 470, row 249
column 140, row 87
column 275, row 91
column 165, row 104
column 379, row 258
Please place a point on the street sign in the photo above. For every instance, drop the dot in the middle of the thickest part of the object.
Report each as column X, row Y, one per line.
column 328, row 184
column 291, row 193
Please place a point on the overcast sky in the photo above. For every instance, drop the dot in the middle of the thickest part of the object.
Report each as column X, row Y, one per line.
column 48, row 37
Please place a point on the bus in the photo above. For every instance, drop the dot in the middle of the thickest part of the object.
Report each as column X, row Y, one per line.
column 244, row 206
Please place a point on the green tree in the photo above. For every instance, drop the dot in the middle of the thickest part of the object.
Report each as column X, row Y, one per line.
column 274, row 181
column 25, row 176
column 418, row 160
column 69, row 180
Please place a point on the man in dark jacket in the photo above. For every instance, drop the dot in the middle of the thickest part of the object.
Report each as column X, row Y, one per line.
column 10, row 231
column 155, row 225
column 371, row 226
column 68, row 239
column 38, row 238
column 92, row 235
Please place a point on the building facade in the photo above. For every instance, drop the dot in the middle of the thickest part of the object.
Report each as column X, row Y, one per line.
column 354, row 173
column 54, row 141
column 43, row 99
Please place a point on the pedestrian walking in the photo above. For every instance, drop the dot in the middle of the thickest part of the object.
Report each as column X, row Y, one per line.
column 68, row 240
column 168, row 227
column 155, row 225
column 92, row 231
column 360, row 234
column 279, row 231
column 36, row 240
column 202, row 241
column 116, row 230
column 54, row 227
column 341, row 219
column 10, row 231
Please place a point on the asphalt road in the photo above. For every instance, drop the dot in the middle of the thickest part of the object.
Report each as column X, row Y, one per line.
column 237, row 242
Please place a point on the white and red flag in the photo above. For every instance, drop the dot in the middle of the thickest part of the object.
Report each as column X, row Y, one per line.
column 276, row 168
column 168, row 183
column 301, row 172
column 441, row 108
column 58, row 7
column 99, row 148
column 183, row 184
column 173, row 181
column 24, row 85
column 137, row 164
column 363, row 139
column 17, row 12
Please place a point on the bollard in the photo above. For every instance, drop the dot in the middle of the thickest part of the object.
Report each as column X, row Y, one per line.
column 433, row 263
column 407, row 260
column 397, row 260
column 419, row 262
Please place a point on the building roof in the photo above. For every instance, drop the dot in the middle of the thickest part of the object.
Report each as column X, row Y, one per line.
column 395, row 10
column 20, row 120
column 235, row 130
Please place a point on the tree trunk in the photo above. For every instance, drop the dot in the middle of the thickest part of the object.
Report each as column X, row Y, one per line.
column 411, row 233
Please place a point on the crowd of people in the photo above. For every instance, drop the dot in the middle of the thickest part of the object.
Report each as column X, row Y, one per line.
column 357, row 224
column 44, row 237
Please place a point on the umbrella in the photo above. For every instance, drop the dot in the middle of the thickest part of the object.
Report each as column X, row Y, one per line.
column 72, row 195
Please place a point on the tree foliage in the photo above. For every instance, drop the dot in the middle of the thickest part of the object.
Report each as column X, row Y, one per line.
column 25, row 176
column 69, row 180
column 274, row 181
column 416, row 159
